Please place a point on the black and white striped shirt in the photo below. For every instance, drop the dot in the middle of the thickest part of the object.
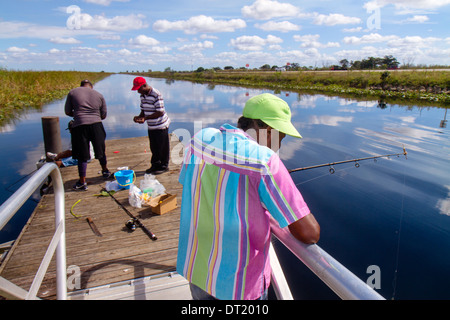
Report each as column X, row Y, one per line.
column 151, row 103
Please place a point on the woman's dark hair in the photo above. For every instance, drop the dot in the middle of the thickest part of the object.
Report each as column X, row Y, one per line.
column 247, row 123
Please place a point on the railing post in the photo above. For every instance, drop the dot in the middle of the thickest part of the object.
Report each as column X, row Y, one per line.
column 9, row 208
column 61, row 269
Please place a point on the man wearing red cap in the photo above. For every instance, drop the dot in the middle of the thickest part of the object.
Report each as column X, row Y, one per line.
column 153, row 111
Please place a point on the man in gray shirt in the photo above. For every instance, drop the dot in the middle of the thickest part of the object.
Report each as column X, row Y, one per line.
column 88, row 109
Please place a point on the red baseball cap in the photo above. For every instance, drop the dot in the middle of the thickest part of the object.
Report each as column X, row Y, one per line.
column 138, row 82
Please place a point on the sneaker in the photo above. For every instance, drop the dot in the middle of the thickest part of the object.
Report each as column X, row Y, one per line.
column 160, row 170
column 151, row 170
column 51, row 155
column 106, row 174
column 80, row 186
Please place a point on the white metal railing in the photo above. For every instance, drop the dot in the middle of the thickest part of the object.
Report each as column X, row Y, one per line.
column 338, row 278
column 58, row 243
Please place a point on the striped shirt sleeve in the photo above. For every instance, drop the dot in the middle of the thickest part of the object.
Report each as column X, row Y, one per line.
column 280, row 195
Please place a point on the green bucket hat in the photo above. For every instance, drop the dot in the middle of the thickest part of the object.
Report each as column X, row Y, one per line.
column 273, row 111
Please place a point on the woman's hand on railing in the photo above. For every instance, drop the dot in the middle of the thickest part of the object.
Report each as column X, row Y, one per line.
column 306, row 230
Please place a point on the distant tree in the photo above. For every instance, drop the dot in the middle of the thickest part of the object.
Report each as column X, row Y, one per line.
column 344, row 63
column 228, row 68
column 388, row 62
column 391, row 62
column 370, row 63
column 265, row 67
column 294, row 66
column 200, row 69
column 355, row 64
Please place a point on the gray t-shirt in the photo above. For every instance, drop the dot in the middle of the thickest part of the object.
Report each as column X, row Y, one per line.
column 86, row 106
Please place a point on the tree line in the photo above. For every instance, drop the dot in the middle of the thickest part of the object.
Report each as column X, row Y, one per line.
column 387, row 62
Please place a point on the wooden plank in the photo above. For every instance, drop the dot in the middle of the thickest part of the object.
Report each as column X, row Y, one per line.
column 119, row 254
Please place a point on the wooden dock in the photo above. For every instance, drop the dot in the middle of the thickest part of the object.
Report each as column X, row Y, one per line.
column 117, row 255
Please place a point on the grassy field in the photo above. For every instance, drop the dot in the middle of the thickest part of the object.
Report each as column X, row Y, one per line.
column 424, row 85
column 32, row 89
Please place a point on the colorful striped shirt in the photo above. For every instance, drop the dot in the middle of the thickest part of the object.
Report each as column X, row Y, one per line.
column 230, row 184
column 151, row 103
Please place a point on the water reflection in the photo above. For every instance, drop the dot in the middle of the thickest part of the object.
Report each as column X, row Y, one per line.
column 359, row 208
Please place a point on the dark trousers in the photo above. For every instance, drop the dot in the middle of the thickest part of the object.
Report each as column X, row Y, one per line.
column 160, row 147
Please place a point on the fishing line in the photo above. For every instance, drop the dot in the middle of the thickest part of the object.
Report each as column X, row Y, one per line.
column 332, row 170
column 397, row 255
column 26, row 176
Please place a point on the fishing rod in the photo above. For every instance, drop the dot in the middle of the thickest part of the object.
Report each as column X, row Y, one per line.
column 134, row 221
column 356, row 161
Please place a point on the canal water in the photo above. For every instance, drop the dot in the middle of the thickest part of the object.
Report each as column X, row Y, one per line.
column 388, row 221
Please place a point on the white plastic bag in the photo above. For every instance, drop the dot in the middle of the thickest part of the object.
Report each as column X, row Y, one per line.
column 135, row 196
column 152, row 186
column 113, row 186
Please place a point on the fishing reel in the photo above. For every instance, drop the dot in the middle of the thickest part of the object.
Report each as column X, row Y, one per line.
column 131, row 225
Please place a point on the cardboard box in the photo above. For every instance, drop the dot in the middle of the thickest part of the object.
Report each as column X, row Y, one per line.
column 163, row 204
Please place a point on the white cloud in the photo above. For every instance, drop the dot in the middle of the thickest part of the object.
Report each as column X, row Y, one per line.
column 407, row 4
column 283, row 26
column 413, row 42
column 311, row 41
column 207, row 36
column 16, row 50
column 368, row 38
column 54, row 51
column 125, row 52
column 267, row 9
column 329, row 120
column 60, row 40
column 254, row 43
column 334, row 19
column 104, row 2
column 109, row 37
column 118, row 23
column 199, row 24
column 197, row 46
column 418, row 19
column 357, row 29
column 392, row 40
column 143, row 40
column 89, row 25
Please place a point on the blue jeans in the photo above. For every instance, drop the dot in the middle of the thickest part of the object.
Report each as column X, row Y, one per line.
column 200, row 294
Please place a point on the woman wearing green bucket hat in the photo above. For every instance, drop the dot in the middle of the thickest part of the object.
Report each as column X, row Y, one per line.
column 233, row 185
column 273, row 111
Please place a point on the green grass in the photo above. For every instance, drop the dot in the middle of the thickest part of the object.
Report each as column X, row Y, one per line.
column 413, row 86
column 21, row 90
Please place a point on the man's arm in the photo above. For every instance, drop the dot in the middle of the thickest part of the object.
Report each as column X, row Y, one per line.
column 68, row 109
column 306, row 229
column 103, row 109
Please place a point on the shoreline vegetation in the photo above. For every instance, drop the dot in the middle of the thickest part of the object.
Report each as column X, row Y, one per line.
column 22, row 90
column 423, row 87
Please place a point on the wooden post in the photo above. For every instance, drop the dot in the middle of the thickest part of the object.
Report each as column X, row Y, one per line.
column 52, row 134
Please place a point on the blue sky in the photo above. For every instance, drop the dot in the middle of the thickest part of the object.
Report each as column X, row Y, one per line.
column 121, row 35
